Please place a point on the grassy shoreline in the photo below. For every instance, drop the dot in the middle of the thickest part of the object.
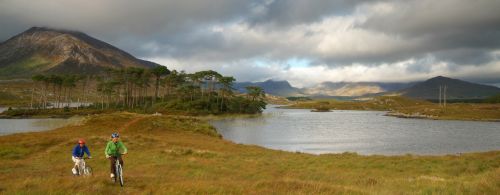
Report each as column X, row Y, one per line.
column 62, row 113
column 408, row 108
column 183, row 154
column 396, row 106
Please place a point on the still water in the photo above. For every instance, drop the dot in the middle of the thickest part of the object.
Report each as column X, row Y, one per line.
column 364, row 132
column 9, row 126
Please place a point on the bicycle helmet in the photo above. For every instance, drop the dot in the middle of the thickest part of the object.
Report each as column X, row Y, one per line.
column 81, row 141
column 115, row 135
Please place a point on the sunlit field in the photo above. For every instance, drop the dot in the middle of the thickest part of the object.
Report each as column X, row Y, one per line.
column 177, row 154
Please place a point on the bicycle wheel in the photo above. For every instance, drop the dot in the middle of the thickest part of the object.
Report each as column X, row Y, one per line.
column 120, row 174
column 117, row 173
column 87, row 171
column 80, row 171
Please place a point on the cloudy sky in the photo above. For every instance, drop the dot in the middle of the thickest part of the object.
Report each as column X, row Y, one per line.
column 302, row 41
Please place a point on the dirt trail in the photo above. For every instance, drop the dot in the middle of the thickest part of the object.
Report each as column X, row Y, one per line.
column 126, row 125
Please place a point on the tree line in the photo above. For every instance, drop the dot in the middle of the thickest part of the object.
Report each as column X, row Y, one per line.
column 137, row 88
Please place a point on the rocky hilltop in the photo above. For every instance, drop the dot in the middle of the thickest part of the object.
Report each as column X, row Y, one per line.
column 45, row 50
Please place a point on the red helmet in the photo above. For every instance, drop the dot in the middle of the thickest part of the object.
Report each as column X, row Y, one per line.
column 81, row 141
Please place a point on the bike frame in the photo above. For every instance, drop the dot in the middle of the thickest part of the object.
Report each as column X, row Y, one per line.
column 81, row 167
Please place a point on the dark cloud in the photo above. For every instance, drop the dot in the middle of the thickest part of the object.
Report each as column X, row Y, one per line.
column 330, row 33
column 465, row 56
column 117, row 21
column 292, row 12
column 419, row 18
column 459, row 31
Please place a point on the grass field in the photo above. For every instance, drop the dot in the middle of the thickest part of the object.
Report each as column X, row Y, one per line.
column 179, row 154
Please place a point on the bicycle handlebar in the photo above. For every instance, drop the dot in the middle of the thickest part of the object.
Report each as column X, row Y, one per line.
column 83, row 157
column 122, row 154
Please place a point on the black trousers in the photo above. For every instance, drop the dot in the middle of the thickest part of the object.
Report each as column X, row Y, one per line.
column 112, row 160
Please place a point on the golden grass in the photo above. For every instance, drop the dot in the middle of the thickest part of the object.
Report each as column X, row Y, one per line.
column 184, row 155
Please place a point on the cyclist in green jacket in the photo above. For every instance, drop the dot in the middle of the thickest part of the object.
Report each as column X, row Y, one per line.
column 114, row 150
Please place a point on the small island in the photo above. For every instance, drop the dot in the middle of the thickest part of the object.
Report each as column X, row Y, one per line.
column 321, row 109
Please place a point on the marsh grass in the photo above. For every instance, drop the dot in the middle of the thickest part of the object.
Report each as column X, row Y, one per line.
column 184, row 155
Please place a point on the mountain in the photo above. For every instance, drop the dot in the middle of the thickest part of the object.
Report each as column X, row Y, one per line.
column 342, row 89
column 45, row 50
column 278, row 88
column 456, row 89
column 325, row 89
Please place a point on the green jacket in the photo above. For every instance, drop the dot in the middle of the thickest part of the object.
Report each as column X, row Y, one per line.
column 115, row 149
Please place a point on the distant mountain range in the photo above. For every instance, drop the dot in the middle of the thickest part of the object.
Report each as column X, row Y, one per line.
column 456, row 89
column 325, row 89
column 429, row 89
column 279, row 88
column 45, row 50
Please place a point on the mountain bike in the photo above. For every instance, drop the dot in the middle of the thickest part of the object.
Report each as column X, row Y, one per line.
column 83, row 169
column 118, row 171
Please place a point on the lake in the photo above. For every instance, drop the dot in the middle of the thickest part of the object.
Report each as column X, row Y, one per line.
column 364, row 132
column 68, row 104
column 9, row 126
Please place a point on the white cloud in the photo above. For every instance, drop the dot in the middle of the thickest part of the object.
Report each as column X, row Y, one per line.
column 308, row 76
column 393, row 72
column 343, row 40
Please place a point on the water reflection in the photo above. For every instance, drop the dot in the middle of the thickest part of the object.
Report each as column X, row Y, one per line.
column 9, row 126
column 364, row 132
column 68, row 104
